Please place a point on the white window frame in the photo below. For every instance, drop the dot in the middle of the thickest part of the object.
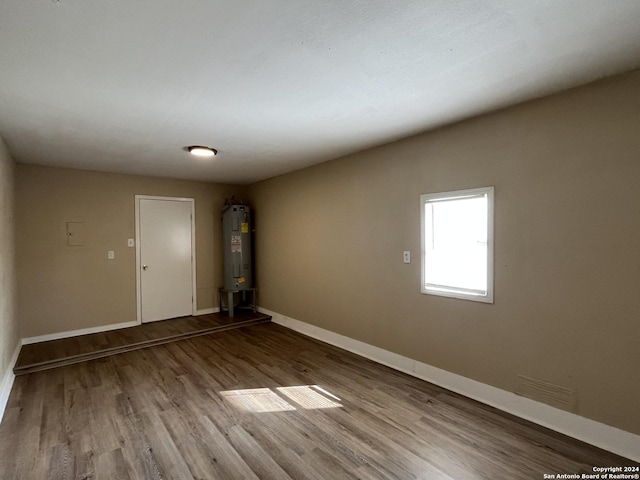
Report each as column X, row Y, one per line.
column 453, row 292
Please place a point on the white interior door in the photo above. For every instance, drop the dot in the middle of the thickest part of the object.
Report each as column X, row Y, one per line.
column 165, row 260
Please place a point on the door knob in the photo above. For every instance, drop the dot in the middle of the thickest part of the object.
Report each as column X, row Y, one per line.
column 144, row 267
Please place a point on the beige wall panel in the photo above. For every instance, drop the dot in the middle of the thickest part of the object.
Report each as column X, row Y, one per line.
column 62, row 287
column 566, row 171
column 9, row 331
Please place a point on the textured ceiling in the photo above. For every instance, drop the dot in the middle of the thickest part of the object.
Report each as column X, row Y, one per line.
column 124, row 85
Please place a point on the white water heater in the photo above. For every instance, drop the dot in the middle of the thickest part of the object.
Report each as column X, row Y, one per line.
column 238, row 259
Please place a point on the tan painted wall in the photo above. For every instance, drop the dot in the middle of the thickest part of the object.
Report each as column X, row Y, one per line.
column 9, row 335
column 566, row 171
column 63, row 288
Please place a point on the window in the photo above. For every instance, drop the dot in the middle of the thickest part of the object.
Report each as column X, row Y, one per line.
column 457, row 244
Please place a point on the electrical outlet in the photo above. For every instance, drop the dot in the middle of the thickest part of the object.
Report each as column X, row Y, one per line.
column 111, row 254
column 407, row 256
column 131, row 242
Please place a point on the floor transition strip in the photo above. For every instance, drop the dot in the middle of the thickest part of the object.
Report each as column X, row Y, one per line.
column 23, row 367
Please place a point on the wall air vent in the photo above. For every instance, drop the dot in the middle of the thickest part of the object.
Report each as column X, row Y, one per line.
column 545, row 392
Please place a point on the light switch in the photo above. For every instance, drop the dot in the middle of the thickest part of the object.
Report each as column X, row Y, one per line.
column 407, row 256
column 111, row 254
column 131, row 242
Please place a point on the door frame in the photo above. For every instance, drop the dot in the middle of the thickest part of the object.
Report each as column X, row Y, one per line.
column 193, row 251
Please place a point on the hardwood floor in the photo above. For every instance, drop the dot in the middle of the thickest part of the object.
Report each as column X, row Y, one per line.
column 265, row 402
column 55, row 353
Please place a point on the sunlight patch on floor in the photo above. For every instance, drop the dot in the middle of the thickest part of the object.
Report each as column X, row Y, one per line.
column 281, row 399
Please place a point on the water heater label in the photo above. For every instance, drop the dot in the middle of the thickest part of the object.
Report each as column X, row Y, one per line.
column 236, row 244
column 245, row 228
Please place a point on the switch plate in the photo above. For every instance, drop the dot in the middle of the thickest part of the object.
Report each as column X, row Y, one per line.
column 111, row 254
column 407, row 256
column 131, row 242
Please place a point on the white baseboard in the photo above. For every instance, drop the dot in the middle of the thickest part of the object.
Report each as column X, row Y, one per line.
column 206, row 311
column 589, row 431
column 76, row 333
column 7, row 381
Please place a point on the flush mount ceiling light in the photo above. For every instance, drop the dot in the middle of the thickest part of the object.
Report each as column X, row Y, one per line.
column 200, row 151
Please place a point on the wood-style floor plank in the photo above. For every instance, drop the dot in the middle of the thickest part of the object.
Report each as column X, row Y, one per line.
column 265, row 402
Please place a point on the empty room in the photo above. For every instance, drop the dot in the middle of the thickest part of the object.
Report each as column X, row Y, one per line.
column 319, row 240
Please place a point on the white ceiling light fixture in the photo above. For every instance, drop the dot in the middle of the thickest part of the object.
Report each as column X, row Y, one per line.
column 200, row 151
